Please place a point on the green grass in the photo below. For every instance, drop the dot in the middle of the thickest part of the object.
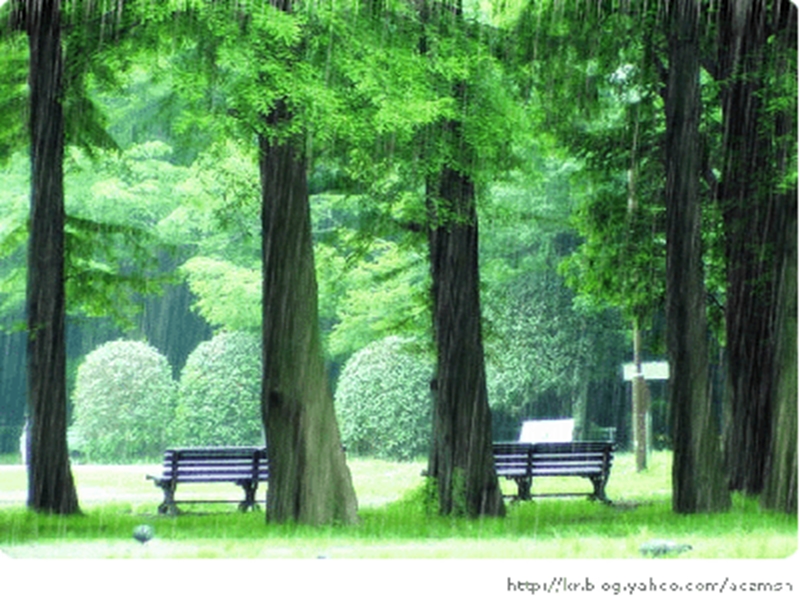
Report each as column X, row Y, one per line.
column 394, row 521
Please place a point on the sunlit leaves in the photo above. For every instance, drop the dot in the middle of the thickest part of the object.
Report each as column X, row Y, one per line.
column 225, row 185
column 13, row 95
column 385, row 294
column 228, row 296
column 14, row 205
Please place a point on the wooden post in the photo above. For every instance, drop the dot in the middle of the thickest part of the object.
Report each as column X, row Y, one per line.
column 641, row 403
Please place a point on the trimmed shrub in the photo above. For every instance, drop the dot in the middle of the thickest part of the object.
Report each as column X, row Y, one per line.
column 219, row 394
column 383, row 401
column 124, row 399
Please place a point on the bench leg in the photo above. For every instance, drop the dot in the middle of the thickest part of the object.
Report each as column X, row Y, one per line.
column 599, row 484
column 524, row 488
column 167, row 507
column 250, row 489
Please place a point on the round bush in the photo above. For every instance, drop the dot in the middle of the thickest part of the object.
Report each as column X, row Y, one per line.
column 383, row 401
column 124, row 399
column 219, row 394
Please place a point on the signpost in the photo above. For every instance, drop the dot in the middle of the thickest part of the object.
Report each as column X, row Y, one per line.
column 658, row 370
column 639, row 374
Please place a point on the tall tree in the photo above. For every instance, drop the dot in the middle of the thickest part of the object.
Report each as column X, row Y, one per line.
column 780, row 485
column 698, row 483
column 757, row 40
column 309, row 478
column 604, row 103
column 252, row 67
column 50, row 483
column 461, row 458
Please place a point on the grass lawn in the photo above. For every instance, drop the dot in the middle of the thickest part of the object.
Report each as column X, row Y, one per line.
column 394, row 521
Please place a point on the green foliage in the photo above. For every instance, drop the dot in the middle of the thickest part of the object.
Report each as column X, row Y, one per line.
column 372, row 272
column 14, row 207
column 621, row 260
column 106, row 263
column 227, row 296
column 385, row 294
column 13, row 95
column 541, row 348
column 383, row 401
column 124, row 399
column 145, row 105
column 591, row 77
column 225, row 193
column 114, row 251
column 139, row 186
column 220, row 393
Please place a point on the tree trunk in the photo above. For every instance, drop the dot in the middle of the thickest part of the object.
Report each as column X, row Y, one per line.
column 309, row 479
column 50, row 484
column 698, row 483
column 749, row 316
column 753, row 230
column 780, row 486
column 462, row 461
column 780, row 482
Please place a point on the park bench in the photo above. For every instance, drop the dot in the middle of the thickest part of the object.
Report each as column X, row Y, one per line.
column 521, row 462
column 245, row 466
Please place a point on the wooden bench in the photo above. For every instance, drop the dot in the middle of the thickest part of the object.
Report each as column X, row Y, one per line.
column 243, row 465
column 522, row 462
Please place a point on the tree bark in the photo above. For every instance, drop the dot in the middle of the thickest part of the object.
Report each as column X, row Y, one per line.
column 462, row 461
column 50, row 483
column 309, row 478
column 698, row 483
column 754, row 229
column 780, row 472
column 780, row 485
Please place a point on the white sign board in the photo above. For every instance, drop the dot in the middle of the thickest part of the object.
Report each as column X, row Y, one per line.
column 650, row 370
column 548, row 430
